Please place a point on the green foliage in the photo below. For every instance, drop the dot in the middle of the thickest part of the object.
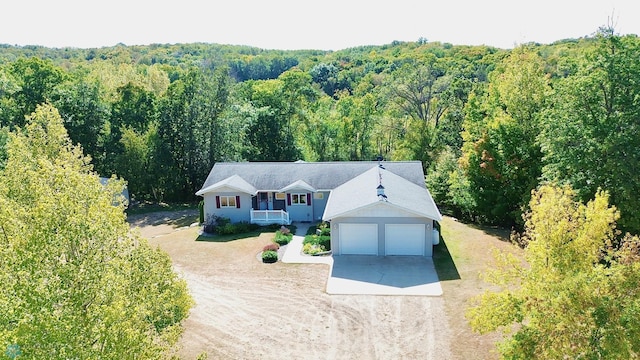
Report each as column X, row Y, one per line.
column 269, row 256
column 590, row 137
column 501, row 157
column 76, row 282
column 160, row 115
column 233, row 228
column 320, row 241
column 576, row 296
column 313, row 249
column 317, row 240
column 36, row 81
column 192, row 133
column 201, row 212
column 283, row 236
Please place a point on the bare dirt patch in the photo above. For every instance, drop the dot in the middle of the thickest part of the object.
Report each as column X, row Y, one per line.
column 249, row 310
column 162, row 222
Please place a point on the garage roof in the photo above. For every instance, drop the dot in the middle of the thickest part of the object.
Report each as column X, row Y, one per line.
column 361, row 192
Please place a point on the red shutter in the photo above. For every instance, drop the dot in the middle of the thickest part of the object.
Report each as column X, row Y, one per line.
column 218, row 202
column 238, row 201
column 308, row 199
column 289, row 199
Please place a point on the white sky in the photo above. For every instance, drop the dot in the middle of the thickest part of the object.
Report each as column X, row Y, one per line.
column 308, row 24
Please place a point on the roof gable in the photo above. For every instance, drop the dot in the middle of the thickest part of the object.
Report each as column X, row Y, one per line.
column 298, row 185
column 361, row 193
column 234, row 182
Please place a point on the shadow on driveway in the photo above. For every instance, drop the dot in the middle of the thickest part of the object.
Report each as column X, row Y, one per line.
column 383, row 275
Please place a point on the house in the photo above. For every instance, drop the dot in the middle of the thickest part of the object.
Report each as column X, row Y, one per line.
column 374, row 208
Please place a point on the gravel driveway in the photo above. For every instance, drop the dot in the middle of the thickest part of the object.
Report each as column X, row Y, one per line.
column 249, row 310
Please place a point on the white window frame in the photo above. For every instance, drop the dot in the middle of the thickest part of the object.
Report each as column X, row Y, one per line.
column 227, row 201
column 295, row 198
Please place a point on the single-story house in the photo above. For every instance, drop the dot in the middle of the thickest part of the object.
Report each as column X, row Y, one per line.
column 374, row 208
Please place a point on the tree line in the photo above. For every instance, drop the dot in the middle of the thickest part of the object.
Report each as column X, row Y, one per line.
column 490, row 125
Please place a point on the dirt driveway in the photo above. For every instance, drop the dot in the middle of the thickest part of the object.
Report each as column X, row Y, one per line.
column 249, row 310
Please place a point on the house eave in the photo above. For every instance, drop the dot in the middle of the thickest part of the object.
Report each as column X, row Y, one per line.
column 436, row 216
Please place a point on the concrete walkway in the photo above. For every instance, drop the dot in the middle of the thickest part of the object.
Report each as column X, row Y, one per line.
column 294, row 255
column 369, row 275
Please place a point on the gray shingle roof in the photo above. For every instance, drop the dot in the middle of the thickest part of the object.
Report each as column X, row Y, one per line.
column 320, row 175
column 361, row 192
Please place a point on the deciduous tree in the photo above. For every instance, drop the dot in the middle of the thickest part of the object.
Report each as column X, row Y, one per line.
column 591, row 134
column 576, row 295
column 76, row 284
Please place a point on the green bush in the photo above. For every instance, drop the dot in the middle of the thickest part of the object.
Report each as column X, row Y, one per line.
column 283, row 238
column 322, row 229
column 325, row 229
column 322, row 240
column 312, row 249
column 269, row 256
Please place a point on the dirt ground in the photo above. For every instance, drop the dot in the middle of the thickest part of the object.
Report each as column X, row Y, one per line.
column 249, row 310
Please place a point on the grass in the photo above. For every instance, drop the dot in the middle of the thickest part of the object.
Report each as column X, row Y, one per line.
column 245, row 235
column 464, row 253
column 443, row 262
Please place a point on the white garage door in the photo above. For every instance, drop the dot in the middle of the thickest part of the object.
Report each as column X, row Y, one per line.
column 404, row 239
column 358, row 239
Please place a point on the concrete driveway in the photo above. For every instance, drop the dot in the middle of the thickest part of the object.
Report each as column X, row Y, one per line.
column 370, row 275
column 383, row 275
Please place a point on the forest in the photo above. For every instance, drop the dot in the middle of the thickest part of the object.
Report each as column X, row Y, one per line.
column 489, row 125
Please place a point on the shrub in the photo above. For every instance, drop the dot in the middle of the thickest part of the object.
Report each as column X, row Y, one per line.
column 312, row 249
column 271, row 247
column 269, row 256
column 325, row 229
column 322, row 240
column 283, row 239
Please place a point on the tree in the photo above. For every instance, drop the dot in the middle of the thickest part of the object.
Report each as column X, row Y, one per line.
column 75, row 282
column 501, row 156
column 192, row 130
column 37, row 79
column 279, row 106
column 84, row 113
column 420, row 93
column 591, row 135
column 577, row 295
column 358, row 116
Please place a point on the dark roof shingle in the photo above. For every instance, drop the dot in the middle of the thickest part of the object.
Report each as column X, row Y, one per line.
column 320, row 175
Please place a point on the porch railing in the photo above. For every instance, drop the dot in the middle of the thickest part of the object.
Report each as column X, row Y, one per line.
column 266, row 217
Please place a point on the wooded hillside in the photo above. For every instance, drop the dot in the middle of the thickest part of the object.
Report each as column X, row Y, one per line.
column 489, row 124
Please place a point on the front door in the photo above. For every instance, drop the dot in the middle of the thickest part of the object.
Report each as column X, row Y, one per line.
column 263, row 201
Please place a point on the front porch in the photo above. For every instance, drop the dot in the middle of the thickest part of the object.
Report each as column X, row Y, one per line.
column 267, row 217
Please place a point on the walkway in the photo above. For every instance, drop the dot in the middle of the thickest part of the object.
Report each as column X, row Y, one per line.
column 294, row 255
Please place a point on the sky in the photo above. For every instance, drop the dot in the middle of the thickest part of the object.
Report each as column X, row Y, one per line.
column 308, row 24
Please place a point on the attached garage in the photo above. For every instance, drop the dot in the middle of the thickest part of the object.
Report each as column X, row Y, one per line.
column 381, row 213
column 360, row 239
column 404, row 239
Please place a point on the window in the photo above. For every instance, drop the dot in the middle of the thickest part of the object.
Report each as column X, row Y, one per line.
column 227, row 201
column 299, row 199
